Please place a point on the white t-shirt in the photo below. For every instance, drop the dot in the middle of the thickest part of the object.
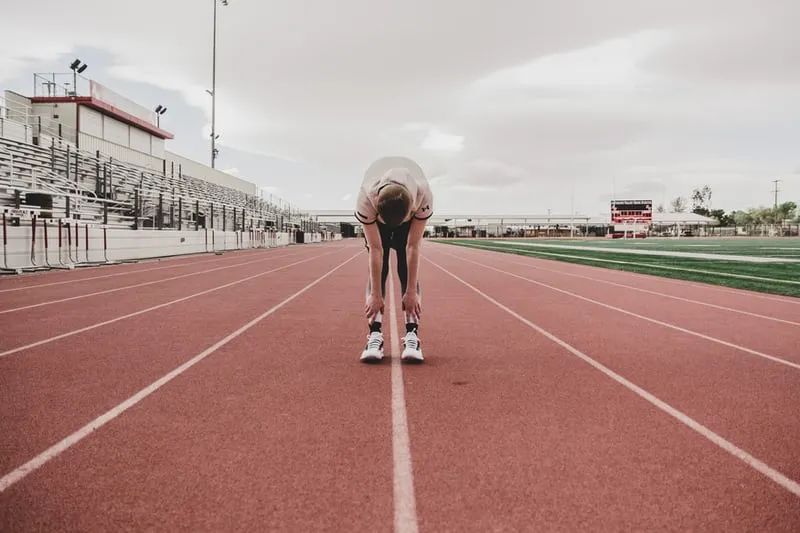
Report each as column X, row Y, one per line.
column 399, row 170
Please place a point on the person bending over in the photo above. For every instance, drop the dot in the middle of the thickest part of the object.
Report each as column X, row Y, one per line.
column 393, row 205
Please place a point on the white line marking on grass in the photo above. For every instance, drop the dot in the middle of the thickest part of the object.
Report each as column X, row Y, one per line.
column 136, row 285
column 751, row 461
column 53, row 451
column 640, row 317
column 661, row 253
column 405, row 507
column 662, row 279
column 656, row 293
column 155, row 307
column 649, row 265
column 116, row 274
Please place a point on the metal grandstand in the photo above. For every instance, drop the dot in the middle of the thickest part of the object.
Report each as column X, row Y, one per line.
column 42, row 173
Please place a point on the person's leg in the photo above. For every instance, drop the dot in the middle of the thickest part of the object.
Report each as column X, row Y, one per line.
column 373, row 352
column 376, row 323
column 399, row 243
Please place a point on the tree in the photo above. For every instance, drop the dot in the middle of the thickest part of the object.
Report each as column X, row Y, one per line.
column 785, row 211
column 660, row 208
column 724, row 220
column 701, row 199
column 742, row 218
column 678, row 204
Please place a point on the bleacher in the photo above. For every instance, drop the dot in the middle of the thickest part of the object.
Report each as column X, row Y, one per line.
column 59, row 181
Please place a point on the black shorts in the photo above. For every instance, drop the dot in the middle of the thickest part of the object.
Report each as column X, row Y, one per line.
column 393, row 238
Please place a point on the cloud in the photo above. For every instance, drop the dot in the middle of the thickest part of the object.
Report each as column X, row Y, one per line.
column 509, row 109
column 438, row 141
column 488, row 175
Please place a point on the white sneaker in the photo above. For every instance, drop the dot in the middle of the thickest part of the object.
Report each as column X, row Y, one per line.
column 412, row 351
column 373, row 352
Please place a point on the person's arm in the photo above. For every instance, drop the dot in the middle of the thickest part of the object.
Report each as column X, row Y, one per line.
column 411, row 303
column 375, row 297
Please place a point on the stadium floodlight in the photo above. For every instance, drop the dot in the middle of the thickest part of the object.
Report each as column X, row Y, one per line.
column 76, row 67
column 160, row 110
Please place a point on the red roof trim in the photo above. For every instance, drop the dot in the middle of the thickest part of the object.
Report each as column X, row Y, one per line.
column 108, row 109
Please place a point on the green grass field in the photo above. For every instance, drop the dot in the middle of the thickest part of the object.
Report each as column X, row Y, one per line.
column 779, row 277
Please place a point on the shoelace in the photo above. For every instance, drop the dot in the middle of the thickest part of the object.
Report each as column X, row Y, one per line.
column 412, row 341
column 374, row 341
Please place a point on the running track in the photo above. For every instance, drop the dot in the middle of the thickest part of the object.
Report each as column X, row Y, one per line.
column 220, row 393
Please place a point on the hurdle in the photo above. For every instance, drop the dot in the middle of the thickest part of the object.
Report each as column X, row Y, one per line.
column 77, row 261
column 33, row 266
column 5, row 269
column 60, row 264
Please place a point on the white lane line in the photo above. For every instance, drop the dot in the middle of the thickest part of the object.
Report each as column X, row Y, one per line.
column 53, row 451
column 640, row 317
column 680, row 282
column 155, row 307
column 136, row 285
column 662, row 253
column 655, row 265
column 125, row 273
column 753, row 462
column 656, row 293
column 405, row 507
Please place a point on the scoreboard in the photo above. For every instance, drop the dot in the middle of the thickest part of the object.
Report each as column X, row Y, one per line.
column 634, row 216
column 631, row 211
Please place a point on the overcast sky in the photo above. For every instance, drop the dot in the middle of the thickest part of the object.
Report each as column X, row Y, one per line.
column 509, row 106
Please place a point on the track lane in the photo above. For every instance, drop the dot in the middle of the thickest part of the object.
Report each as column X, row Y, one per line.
column 768, row 304
column 66, row 294
column 747, row 400
column 50, row 390
column 30, row 325
column 280, row 429
column 13, row 298
column 510, row 432
column 773, row 338
column 39, row 280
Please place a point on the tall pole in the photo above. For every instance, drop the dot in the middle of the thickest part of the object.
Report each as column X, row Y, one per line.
column 572, row 210
column 776, row 193
column 214, row 89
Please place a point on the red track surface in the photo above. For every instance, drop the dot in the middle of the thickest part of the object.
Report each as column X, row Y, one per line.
column 280, row 428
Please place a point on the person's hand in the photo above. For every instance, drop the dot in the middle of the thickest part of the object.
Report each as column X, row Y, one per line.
column 374, row 305
column 412, row 303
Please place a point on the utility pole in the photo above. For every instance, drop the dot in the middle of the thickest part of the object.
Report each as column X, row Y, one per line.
column 776, row 193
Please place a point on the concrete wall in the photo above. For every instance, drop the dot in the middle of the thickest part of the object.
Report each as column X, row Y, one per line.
column 90, row 143
column 16, row 131
column 125, row 243
column 203, row 172
column 119, row 136
column 18, row 107
column 91, row 121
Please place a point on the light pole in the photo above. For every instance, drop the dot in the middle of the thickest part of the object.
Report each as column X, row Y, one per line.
column 213, row 90
column 160, row 110
column 77, row 67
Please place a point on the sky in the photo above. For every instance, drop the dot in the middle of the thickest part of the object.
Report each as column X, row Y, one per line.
column 509, row 106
